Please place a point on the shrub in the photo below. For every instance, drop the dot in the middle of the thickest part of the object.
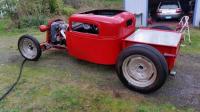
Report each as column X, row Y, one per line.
column 68, row 11
column 29, row 21
column 56, row 6
column 74, row 3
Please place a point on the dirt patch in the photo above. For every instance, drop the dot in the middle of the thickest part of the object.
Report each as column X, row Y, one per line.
column 183, row 90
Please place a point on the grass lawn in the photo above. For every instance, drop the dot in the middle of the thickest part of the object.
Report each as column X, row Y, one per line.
column 60, row 83
column 194, row 48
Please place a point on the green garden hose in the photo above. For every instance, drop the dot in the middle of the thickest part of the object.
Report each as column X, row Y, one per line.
column 15, row 83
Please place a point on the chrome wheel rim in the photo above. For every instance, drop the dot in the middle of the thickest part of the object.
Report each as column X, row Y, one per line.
column 139, row 71
column 28, row 48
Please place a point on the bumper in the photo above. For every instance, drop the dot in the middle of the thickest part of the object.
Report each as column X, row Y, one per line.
column 175, row 16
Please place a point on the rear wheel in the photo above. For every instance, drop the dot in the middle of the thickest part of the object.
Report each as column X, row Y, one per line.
column 142, row 68
column 29, row 48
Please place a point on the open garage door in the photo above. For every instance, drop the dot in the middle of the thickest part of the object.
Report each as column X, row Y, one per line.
column 149, row 8
column 171, row 10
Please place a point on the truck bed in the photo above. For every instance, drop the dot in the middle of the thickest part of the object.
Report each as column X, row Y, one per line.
column 166, row 42
column 156, row 37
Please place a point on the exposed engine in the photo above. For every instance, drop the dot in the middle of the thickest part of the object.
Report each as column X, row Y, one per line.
column 58, row 29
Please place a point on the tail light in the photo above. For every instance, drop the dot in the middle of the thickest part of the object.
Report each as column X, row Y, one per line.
column 178, row 10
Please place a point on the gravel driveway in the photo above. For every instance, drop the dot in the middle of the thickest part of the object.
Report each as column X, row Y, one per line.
column 183, row 89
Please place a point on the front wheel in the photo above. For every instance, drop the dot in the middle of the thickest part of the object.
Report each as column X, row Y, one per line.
column 29, row 47
column 142, row 68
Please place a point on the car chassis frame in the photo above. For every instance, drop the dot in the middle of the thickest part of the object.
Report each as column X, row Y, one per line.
column 143, row 57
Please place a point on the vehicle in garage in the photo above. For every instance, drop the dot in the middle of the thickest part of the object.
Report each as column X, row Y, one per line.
column 148, row 8
column 169, row 10
column 143, row 57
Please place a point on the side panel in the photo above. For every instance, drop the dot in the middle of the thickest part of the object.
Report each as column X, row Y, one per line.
column 91, row 48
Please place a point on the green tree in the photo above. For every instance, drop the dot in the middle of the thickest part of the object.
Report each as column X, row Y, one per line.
column 9, row 7
column 33, row 12
column 56, row 6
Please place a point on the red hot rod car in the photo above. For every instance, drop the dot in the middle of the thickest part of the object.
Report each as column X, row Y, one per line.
column 143, row 57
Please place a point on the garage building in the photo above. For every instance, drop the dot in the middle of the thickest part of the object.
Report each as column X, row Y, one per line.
column 144, row 8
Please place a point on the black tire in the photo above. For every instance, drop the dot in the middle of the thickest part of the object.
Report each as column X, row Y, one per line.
column 33, row 46
column 156, row 58
column 162, row 28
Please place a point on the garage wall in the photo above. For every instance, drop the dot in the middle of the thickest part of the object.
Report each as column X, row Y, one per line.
column 197, row 14
column 140, row 8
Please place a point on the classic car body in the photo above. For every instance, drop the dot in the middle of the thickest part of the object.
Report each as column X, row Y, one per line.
column 143, row 57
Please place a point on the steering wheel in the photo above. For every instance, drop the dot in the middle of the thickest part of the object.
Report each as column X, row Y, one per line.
column 94, row 28
column 86, row 26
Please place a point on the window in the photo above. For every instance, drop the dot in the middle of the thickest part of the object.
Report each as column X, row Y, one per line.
column 85, row 28
column 169, row 5
column 129, row 22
